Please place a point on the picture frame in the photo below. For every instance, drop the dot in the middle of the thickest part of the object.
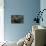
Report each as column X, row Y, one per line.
column 17, row 19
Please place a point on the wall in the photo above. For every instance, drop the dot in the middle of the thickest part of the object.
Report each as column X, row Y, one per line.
column 13, row 32
column 43, row 6
column 1, row 20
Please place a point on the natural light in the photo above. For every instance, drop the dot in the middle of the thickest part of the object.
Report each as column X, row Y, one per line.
column 1, row 25
column 1, row 21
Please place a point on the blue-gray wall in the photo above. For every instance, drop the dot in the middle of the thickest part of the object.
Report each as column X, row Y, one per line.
column 13, row 32
column 43, row 6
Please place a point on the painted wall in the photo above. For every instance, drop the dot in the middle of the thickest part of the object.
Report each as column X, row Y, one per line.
column 43, row 6
column 1, row 20
column 13, row 32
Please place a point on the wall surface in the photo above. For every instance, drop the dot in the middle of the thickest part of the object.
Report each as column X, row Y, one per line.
column 13, row 32
column 1, row 20
column 43, row 6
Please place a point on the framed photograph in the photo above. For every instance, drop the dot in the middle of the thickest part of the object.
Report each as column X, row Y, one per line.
column 17, row 18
